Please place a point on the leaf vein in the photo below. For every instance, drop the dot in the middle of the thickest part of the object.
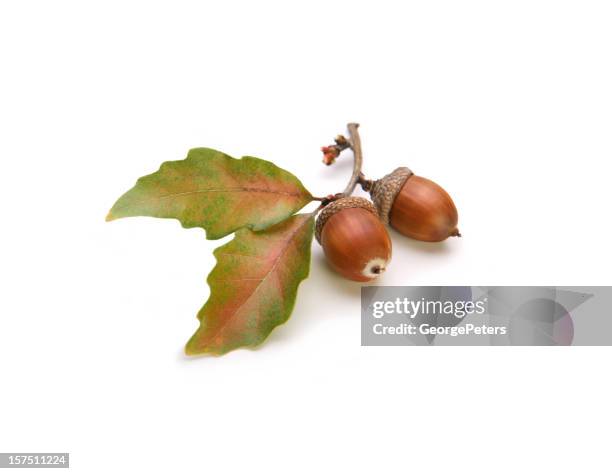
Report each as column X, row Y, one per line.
column 212, row 190
column 241, row 255
column 288, row 243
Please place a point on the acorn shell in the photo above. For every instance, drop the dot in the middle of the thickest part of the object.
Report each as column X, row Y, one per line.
column 415, row 206
column 354, row 239
column 384, row 190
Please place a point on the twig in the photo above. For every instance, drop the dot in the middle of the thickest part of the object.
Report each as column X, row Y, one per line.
column 355, row 143
column 331, row 152
column 366, row 184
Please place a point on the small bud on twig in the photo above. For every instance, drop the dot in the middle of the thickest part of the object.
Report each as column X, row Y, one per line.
column 330, row 153
column 342, row 141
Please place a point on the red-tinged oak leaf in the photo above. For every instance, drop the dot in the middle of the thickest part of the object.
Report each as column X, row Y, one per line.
column 253, row 286
column 212, row 190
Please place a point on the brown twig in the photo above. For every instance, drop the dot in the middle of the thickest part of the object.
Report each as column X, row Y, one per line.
column 355, row 143
column 331, row 152
column 366, row 184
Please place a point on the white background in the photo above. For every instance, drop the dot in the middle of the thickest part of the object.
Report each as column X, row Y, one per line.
column 508, row 105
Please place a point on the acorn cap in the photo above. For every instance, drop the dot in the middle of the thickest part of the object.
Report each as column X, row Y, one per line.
column 384, row 191
column 338, row 205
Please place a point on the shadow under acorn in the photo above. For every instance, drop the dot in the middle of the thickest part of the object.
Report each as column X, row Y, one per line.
column 433, row 248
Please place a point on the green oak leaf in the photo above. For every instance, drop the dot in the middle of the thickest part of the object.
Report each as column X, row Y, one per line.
column 212, row 190
column 253, row 286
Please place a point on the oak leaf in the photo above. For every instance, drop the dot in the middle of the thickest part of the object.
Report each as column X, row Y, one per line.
column 212, row 190
column 253, row 286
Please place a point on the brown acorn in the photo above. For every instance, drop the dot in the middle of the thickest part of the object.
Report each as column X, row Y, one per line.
column 415, row 206
column 354, row 239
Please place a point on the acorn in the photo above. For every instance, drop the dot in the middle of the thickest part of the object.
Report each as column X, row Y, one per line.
column 414, row 206
column 354, row 239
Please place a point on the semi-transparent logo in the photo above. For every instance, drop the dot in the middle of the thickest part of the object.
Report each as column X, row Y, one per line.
column 481, row 315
